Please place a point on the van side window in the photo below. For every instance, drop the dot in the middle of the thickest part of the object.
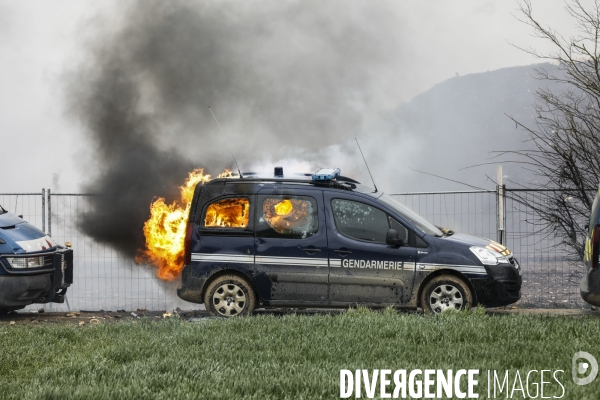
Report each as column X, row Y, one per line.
column 292, row 217
column 228, row 213
column 360, row 221
column 363, row 222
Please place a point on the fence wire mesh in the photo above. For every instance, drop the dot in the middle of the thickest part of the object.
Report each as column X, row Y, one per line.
column 106, row 280
column 552, row 273
column 29, row 205
column 103, row 278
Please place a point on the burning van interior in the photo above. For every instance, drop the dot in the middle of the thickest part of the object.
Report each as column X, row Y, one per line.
column 228, row 213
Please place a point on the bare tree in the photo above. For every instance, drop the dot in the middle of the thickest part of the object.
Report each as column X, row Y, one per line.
column 566, row 132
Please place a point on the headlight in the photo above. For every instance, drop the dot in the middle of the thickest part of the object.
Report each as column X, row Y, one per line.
column 25, row 262
column 489, row 257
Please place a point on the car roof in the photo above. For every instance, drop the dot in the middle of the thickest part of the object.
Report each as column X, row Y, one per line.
column 339, row 183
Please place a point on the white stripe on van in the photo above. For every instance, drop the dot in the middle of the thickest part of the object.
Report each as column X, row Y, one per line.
column 266, row 260
column 297, row 261
column 317, row 262
column 225, row 258
column 465, row 269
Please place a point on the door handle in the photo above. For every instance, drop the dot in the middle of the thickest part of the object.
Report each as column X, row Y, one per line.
column 310, row 250
column 342, row 252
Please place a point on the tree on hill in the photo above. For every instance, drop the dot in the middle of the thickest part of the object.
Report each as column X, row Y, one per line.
column 566, row 132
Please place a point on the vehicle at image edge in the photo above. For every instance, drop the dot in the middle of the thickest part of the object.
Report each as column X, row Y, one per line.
column 589, row 286
column 299, row 242
column 33, row 268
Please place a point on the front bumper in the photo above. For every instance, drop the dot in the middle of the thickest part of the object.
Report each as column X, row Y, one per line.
column 21, row 287
column 589, row 287
column 19, row 291
column 501, row 287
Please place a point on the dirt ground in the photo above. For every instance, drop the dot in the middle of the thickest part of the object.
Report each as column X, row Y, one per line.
column 101, row 317
column 91, row 317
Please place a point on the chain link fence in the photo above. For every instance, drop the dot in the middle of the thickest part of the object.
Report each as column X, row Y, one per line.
column 106, row 280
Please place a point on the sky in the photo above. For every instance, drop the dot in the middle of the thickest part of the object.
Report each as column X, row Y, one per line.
column 406, row 47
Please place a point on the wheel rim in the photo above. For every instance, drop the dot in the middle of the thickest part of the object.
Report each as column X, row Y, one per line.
column 445, row 297
column 229, row 300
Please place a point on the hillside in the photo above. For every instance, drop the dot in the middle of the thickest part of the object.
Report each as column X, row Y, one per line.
column 456, row 124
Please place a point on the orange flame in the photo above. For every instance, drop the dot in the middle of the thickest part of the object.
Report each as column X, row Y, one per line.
column 165, row 229
column 284, row 207
column 292, row 214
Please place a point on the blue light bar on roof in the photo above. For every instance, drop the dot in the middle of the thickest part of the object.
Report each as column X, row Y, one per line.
column 326, row 174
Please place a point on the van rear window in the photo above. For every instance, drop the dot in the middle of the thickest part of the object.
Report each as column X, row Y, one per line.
column 228, row 213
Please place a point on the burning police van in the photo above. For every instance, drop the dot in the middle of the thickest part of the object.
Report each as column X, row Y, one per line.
column 33, row 268
column 327, row 241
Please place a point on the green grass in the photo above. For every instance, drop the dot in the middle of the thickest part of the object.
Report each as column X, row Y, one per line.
column 270, row 357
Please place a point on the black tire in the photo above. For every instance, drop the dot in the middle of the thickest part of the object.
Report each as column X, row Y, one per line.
column 445, row 292
column 6, row 311
column 229, row 296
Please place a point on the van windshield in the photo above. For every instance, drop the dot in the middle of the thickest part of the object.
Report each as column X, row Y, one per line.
column 410, row 215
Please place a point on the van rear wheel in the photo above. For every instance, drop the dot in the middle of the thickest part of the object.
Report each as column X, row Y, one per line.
column 228, row 296
column 445, row 292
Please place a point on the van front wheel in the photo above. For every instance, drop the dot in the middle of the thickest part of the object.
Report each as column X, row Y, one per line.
column 228, row 296
column 445, row 292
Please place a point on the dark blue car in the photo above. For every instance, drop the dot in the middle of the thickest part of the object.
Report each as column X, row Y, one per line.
column 590, row 282
column 33, row 268
column 301, row 242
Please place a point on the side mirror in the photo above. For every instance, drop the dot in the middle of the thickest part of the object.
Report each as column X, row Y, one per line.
column 393, row 239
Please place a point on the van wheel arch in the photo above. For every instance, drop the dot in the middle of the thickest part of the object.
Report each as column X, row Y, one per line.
column 230, row 272
column 446, row 272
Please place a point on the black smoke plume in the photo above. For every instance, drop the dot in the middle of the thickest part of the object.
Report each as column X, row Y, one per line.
column 285, row 79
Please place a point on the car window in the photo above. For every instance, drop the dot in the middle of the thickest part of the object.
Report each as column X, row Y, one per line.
column 401, row 229
column 360, row 221
column 292, row 217
column 228, row 213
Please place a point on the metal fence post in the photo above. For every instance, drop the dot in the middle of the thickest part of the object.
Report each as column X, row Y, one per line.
column 43, row 210
column 500, row 208
column 503, row 200
column 49, row 214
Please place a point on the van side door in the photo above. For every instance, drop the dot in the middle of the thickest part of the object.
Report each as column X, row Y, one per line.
column 291, row 262
column 363, row 268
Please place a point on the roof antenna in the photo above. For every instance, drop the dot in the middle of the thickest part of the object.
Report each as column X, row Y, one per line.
column 217, row 121
column 363, row 156
column 237, row 166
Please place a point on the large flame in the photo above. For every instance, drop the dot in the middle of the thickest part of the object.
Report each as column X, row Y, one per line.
column 165, row 229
